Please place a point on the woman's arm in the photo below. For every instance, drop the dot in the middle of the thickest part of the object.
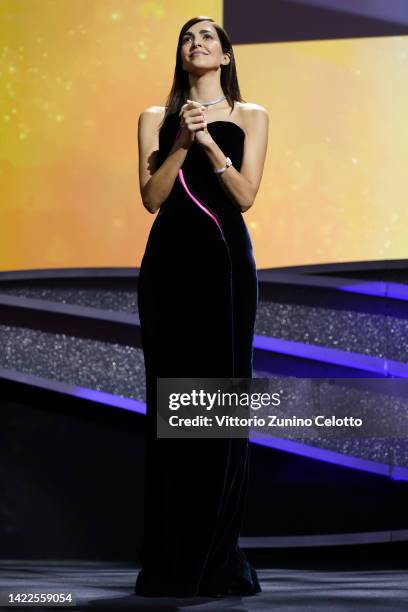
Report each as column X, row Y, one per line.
column 242, row 186
column 156, row 183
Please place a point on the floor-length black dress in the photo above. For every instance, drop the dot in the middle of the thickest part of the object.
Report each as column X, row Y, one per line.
column 197, row 298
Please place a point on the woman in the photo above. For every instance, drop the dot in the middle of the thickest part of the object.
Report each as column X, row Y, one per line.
column 197, row 297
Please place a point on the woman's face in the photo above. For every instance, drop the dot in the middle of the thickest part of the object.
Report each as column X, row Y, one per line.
column 201, row 48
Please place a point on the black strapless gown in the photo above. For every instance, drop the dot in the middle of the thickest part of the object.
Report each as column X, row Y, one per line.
column 197, row 298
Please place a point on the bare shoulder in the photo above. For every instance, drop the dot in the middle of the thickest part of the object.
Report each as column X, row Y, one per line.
column 152, row 116
column 154, row 110
column 254, row 120
column 253, row 113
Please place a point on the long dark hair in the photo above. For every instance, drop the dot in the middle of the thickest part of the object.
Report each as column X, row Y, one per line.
column 229, row 80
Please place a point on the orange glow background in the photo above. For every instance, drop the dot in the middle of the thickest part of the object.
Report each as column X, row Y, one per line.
column 74, row 77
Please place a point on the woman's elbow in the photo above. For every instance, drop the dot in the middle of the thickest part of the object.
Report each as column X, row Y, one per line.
column 149, row 207
column 248, row 202
column 148, row 202
column 246, row 207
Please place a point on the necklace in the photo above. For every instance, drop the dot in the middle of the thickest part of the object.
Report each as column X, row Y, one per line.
column 212, row 102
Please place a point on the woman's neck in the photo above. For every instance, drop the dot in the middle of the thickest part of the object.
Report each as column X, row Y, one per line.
column 205, row 88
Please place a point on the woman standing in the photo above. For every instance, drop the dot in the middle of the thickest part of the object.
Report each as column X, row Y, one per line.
column 200, row 163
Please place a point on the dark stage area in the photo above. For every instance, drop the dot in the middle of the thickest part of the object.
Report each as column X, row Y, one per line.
column 287, row 587
column 325, row 521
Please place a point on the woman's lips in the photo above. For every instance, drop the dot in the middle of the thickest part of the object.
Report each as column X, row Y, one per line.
column 197, row 53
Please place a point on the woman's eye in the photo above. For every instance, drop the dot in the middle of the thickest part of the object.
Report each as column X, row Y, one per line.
column 187, row 38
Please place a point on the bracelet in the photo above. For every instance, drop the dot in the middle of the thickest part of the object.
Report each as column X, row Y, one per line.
column 228, row 163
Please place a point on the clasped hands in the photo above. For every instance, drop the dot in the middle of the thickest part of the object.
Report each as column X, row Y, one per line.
column 194, row 124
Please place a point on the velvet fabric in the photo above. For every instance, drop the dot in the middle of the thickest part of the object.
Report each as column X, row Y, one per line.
column 197, row 298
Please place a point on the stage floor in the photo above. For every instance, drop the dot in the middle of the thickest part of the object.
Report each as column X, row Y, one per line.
column 108, row 586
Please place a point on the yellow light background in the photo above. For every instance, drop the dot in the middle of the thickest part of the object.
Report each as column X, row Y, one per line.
column 74, row 77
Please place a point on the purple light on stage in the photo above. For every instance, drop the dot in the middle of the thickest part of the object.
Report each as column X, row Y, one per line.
column 400, row 473
column 109, row 399
column 382, row 367
column 290, row 446
column 394, row 291
column 329, row 456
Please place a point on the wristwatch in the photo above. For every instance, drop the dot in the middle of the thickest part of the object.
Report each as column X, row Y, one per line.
column 228, row 163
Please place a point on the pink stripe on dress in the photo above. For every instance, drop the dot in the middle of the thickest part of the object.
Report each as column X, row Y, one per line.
column 195, row 199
